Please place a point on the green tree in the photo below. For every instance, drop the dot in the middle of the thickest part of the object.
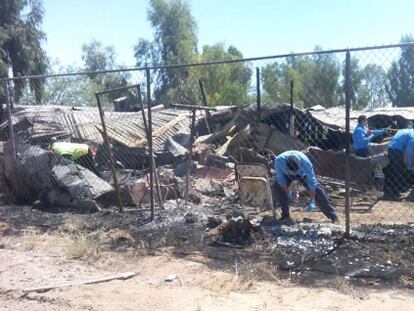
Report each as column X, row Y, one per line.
column 225, row 84
column 276, row 79
column 66, row 91
column 272, row 82
column 374, row 79
column 97, row 57
column 320, row 79
column 71, row 91
column 316, row 80
column 175, row 42
column 20, row 43
column 400, row 86
column 359, row 93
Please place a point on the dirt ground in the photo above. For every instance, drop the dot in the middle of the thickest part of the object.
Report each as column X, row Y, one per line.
column 40, row 249
column 37, row 260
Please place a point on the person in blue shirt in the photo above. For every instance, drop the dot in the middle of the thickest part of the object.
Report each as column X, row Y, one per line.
column 362, row 136
column 295, row 165
column 400, row 155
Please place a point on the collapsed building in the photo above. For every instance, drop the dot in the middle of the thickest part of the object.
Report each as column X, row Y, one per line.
column 223, row 138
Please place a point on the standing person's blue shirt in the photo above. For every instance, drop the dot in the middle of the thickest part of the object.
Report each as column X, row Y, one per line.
column 362, row 136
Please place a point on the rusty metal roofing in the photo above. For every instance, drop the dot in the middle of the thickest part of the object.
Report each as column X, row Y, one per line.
column 84, row 124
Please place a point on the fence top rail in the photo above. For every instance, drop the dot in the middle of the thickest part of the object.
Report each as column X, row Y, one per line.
column 122, row 88
column 218, row 62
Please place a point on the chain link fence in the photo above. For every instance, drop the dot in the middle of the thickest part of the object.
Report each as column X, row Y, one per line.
column 280, row 135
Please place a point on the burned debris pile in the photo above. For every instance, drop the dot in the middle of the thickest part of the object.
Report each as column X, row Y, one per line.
column 37, row 173
column 30, row 171
column 223, row 205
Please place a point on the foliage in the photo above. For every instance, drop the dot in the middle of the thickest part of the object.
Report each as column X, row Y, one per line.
column 359, row 94
column 80, row 90
column 20, row 43
column 276, row 80
column 400, row 86
column 373, row 87
column 226, row 84
column 320, row 80
column 97, row 57
column 175, row 42
column 66, row 91
column 315, row 80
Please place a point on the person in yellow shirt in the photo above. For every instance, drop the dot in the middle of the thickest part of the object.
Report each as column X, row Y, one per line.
column 81, row 154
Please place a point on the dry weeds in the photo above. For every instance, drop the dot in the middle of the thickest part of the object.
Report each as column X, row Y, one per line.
column 226, row 283
column 265, row 271
column 342, row 286
column 32, row 241
column 79, row 224
column 7, row 242
column 85, row 247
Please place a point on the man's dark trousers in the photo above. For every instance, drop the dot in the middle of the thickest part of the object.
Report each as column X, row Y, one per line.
column 320, row 197
column 396, row 176
column 364, row 153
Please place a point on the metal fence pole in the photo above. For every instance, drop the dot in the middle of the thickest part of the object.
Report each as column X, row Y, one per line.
column 258, row 97
column 190, row 156
column 141, row 104
column 292, row 113
column 9, row 118
column 348, row 143
column 111, row 156
column 144, row 120
column 148, row 74
column 2, row 110
column 203, row 95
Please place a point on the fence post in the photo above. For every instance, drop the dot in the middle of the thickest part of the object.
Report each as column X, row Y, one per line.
column 149, row 106
column 190, row 156
column 144, row 120
column 258, row 97
column 203, row 95
column 348, row 143
column 9, row 118
column 2, row 110
column 292, row 113
column 111, row 156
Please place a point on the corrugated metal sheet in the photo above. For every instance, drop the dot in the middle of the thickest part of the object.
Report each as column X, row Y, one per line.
column 335, row 117
column 84, row 124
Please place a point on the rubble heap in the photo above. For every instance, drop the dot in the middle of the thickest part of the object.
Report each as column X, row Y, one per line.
column 233, row 135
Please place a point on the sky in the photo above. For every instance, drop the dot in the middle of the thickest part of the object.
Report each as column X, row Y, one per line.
column 255, row 27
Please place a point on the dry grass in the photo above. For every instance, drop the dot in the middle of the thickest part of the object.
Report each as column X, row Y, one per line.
column 7, row 242
column 79, row 224
column 143, row 248
column 32, row 241
column 228, row 283
column 342, row 286
column 266, row 271
column 85, row 247
column 339, row 282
